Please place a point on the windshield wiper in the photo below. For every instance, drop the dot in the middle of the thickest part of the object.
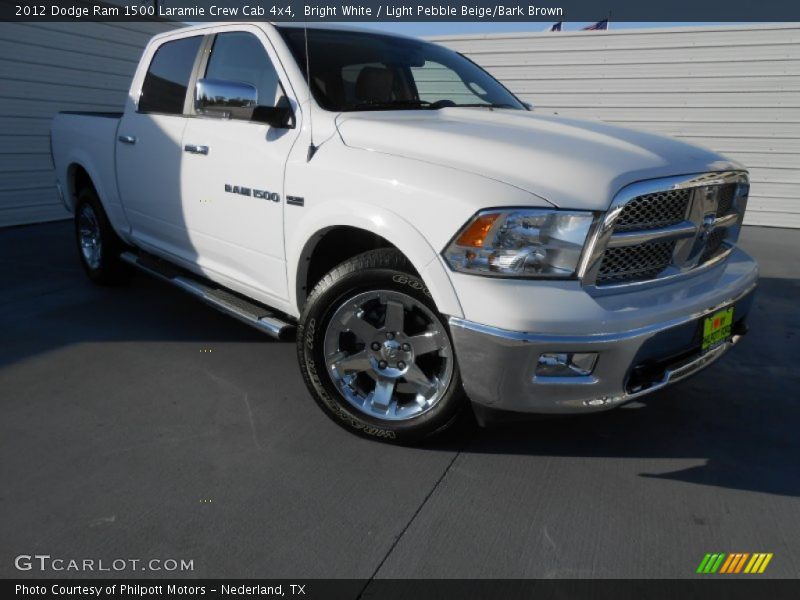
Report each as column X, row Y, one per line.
column 483, row 105
column 419, row 104
column 390, row 105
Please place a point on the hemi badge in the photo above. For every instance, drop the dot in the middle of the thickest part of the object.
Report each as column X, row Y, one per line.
column 295, row 200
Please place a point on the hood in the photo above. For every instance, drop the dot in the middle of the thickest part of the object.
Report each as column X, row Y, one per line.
column 568, row 162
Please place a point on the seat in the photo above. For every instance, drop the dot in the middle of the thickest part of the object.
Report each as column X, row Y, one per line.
column 374, row 84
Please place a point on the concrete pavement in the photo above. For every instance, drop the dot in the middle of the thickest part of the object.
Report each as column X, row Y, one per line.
column 139, row 423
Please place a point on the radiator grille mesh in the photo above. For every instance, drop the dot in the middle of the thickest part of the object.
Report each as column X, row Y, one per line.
column 635, row 263
column 652, row 211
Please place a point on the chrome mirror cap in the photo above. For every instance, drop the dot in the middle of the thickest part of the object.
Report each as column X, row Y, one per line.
column 218, row 95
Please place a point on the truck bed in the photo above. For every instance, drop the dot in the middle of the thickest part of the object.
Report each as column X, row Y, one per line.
column 88, row 139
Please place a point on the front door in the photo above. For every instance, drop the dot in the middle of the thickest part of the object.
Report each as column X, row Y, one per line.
column 232, row 173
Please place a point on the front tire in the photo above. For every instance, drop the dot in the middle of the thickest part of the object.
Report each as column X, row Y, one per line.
column 99, row 247
column 375, row 353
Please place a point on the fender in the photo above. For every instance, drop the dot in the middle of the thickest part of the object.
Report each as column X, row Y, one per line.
column 106, row 192
column 78, row 159
column 389, row 225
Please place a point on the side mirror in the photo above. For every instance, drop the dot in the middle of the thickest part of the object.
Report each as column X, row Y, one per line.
column 235, row 100
column 279, row 117
column 224, row 98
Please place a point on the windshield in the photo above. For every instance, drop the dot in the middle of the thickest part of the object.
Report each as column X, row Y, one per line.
column 370, row 71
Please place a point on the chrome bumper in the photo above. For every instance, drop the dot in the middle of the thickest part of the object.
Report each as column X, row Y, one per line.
column 498, row 366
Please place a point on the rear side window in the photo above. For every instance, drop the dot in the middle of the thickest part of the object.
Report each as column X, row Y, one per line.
column 167, row 79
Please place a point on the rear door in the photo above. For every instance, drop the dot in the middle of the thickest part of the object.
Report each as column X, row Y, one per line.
column 233, row 189
column 149, row 154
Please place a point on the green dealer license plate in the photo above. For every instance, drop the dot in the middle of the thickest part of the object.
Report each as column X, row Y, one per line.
column 717, row 328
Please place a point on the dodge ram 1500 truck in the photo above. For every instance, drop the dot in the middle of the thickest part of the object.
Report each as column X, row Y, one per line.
column 432, row 242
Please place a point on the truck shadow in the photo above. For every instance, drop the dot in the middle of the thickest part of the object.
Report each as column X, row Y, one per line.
column 718, row 431
column 734, row 425
column 48, row 303
column 737, row 422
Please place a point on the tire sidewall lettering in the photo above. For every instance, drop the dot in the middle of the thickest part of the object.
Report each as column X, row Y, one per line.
column 414, row 284
column 329, row 401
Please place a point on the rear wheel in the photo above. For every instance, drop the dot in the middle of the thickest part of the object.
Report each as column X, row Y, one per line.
column 375, row 353
column 99, row 247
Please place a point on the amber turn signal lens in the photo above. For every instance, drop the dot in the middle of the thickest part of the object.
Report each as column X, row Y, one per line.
column 476, row 233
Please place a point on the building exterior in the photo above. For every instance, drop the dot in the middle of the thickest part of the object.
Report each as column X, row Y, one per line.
column 734, row 89
column 46, row 68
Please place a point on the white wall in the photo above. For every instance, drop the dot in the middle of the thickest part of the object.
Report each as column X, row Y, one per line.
column 734, row 89
column 46, row 68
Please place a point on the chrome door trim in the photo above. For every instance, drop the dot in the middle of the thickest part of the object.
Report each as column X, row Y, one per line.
column 195, row 149
column 221, row 97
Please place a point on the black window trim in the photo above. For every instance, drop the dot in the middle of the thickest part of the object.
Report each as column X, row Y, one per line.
column 200, row 65
column 502, row 85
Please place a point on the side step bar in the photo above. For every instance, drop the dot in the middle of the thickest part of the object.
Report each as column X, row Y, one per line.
column 247, row 312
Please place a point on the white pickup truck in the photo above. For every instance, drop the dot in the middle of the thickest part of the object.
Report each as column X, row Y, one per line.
column 434, row 242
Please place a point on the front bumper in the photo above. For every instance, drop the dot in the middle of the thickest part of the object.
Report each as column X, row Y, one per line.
column 498, row 365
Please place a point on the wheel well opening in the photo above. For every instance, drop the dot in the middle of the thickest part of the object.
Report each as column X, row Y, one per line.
column 78, row 179
column 332, row 248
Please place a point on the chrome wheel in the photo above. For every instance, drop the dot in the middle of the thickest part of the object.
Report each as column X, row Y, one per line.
column 388, row 355
column 89, row 236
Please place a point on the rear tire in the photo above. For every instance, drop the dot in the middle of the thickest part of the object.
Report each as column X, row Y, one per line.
column 375, row 353
column 99, row 247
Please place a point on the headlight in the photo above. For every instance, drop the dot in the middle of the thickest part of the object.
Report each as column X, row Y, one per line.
column 521, row 243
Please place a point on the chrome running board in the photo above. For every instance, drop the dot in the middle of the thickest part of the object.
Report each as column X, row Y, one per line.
column 224, row 301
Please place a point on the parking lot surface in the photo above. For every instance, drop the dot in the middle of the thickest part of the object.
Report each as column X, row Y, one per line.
column 139, row 423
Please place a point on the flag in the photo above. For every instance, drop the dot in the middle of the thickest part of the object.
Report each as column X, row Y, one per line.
column 557, row 26
column 600, row 25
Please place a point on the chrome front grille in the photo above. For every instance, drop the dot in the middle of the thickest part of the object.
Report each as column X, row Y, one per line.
column 713, row 244
column 652, row 211
column 629, row 263
column 662, row 228
column 725, row 198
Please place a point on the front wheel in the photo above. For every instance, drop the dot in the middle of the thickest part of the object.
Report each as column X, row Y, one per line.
column 375, row 353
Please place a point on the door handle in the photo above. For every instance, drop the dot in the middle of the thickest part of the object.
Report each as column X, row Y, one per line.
column 195, row 149
column 127, row 139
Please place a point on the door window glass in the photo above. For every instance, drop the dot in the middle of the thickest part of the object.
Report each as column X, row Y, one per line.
column 164, row 89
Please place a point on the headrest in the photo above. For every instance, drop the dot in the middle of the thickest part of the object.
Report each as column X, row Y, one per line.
column 375, row 84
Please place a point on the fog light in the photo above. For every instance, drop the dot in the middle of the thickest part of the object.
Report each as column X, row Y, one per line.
column 566, row 364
